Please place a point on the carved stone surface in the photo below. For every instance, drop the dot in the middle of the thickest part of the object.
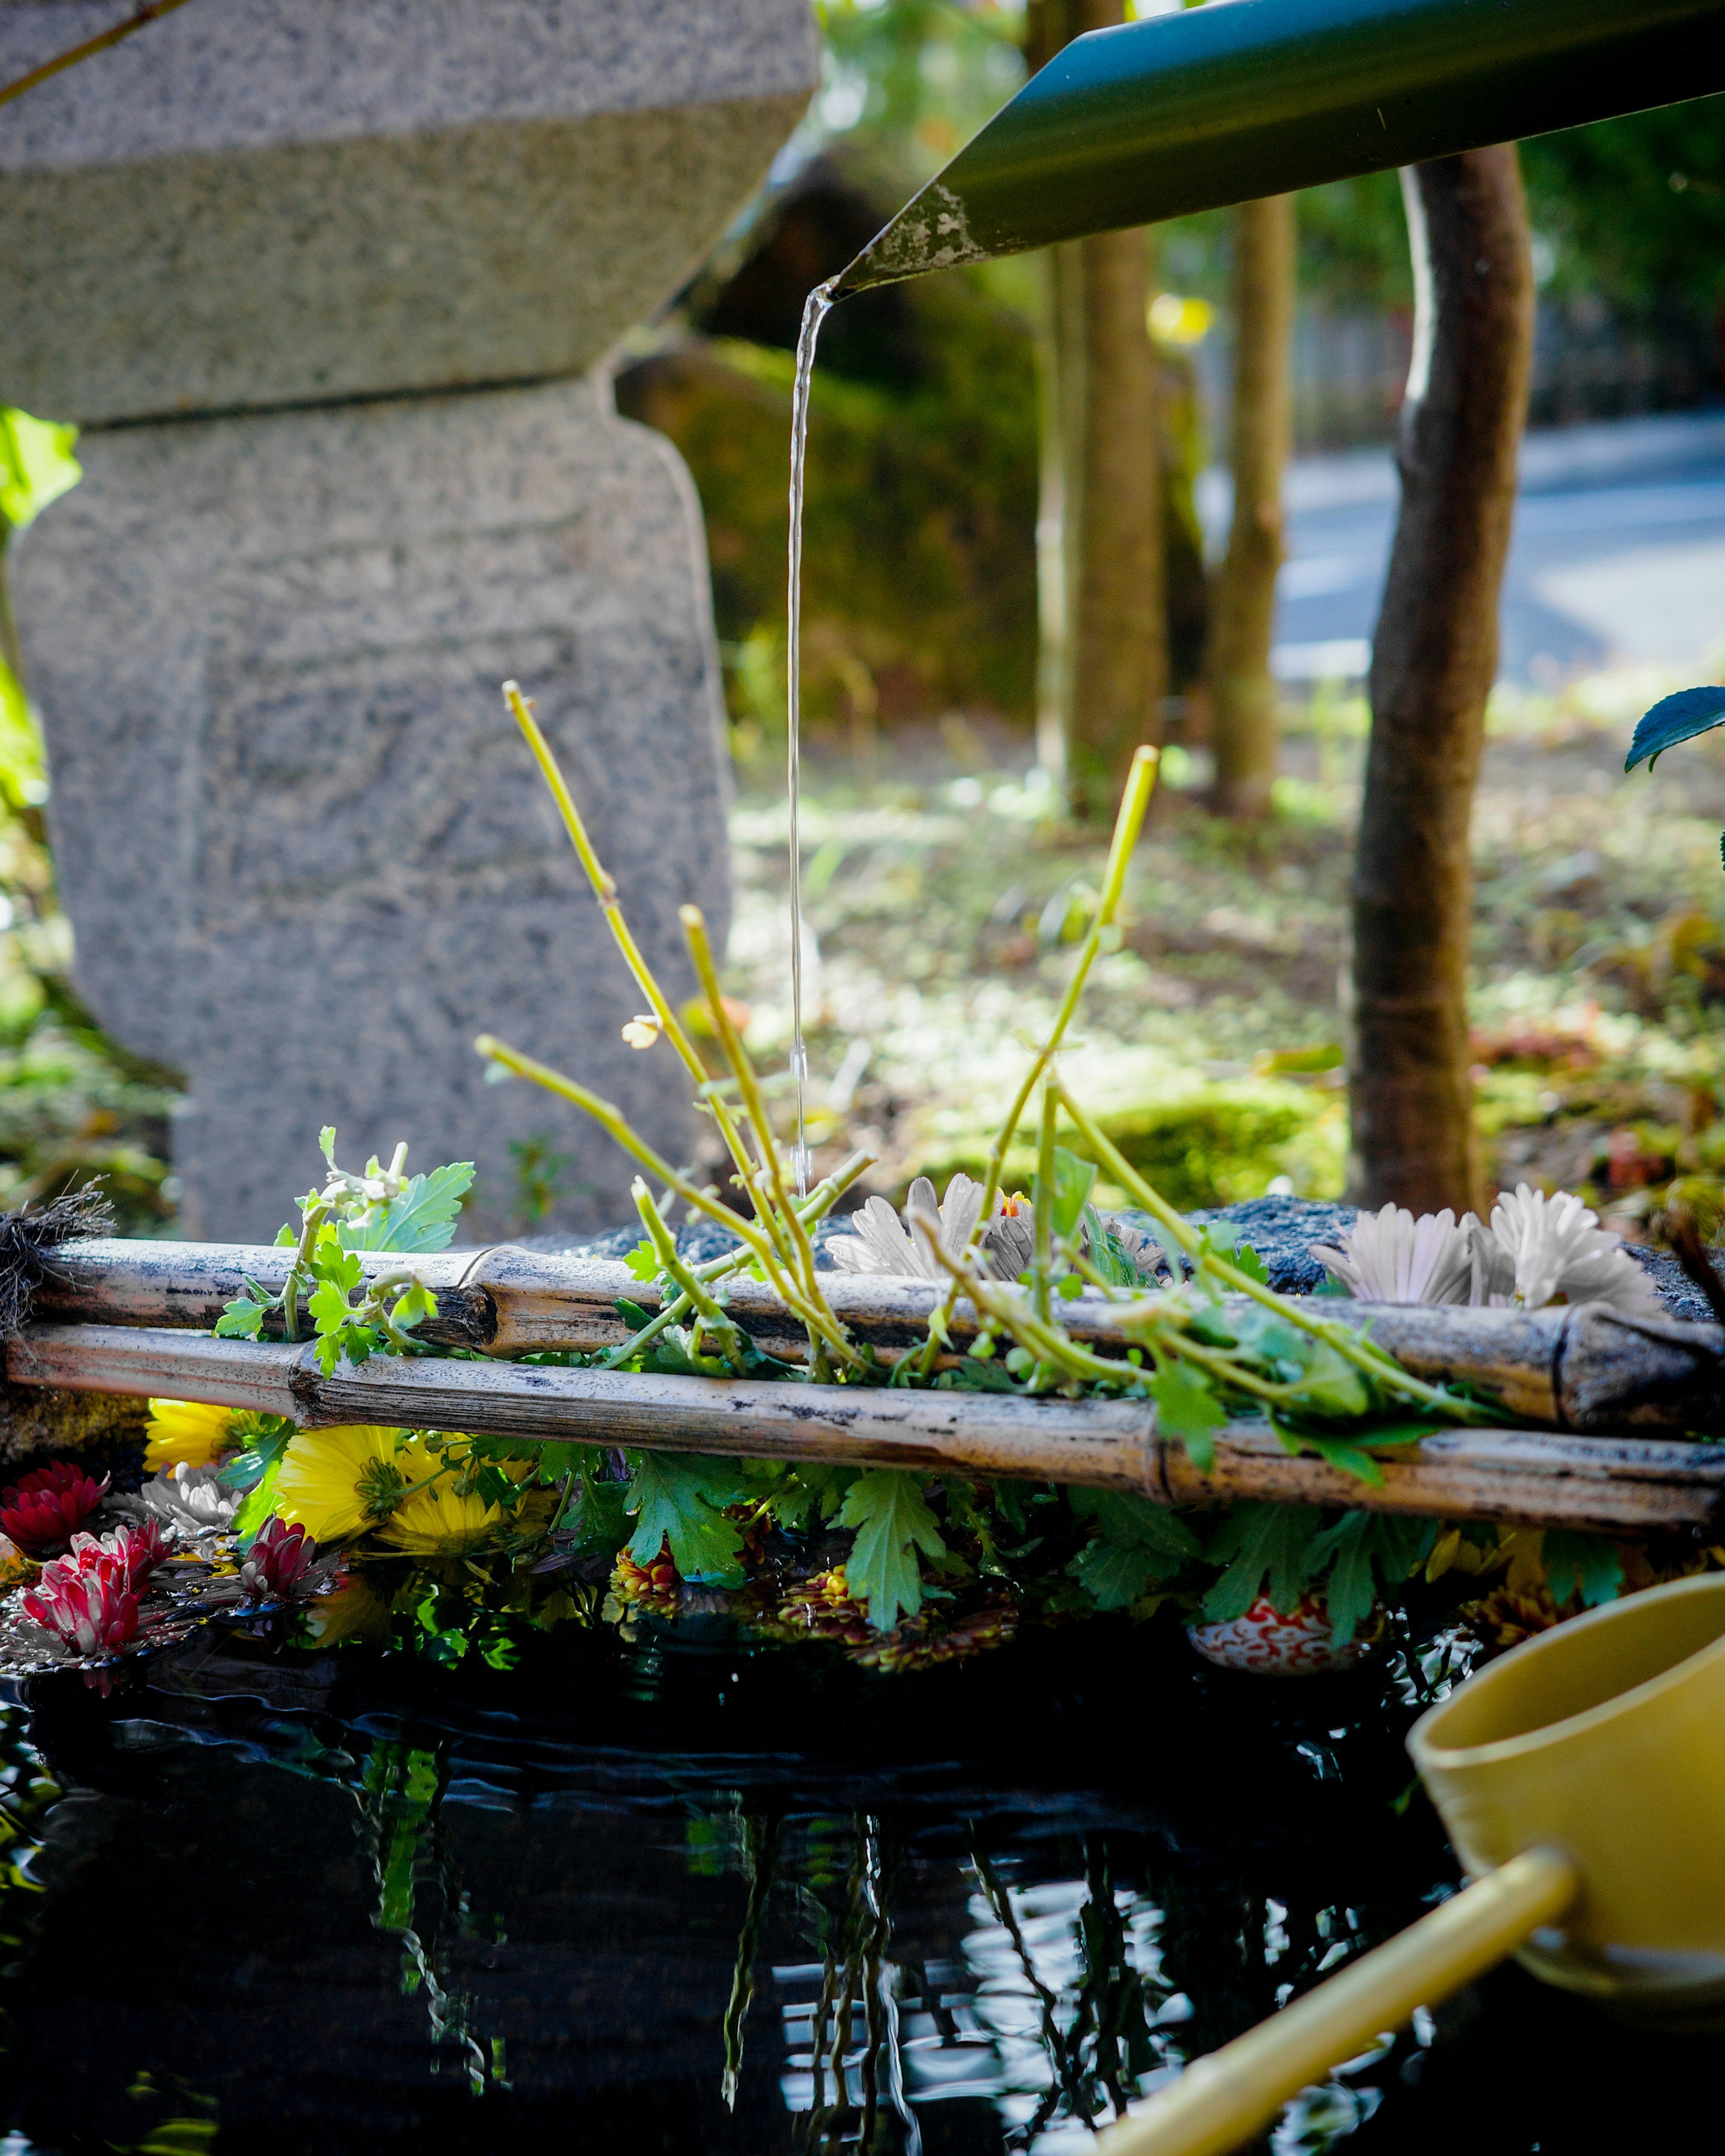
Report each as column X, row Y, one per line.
column 306, row 854
column 260, row 202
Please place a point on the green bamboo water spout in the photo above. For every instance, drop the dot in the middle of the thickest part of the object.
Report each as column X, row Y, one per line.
column 1243, row 98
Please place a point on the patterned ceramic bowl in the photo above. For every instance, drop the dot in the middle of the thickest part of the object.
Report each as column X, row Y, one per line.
column 1273, row 1644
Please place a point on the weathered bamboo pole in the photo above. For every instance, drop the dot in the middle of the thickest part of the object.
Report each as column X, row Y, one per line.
column 1620, row 1487
column 1590, row 1369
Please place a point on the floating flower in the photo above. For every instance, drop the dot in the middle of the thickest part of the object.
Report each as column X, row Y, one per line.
column 88, row 1599
column 642, row 1030
column 1537, row 1250
column 439, row 1522
column 92, row 1611
column 338, row 1483
column 279, row 1562
column 136, row 1550
column 880, row 1242
column 1390, row 1256
column 42, row 1511
column 190, row 1499
column 1561, row 1255
column 14, row 1566
column 186, row 1432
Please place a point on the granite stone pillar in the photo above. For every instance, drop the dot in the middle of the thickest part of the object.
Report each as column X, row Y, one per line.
column 324, row 281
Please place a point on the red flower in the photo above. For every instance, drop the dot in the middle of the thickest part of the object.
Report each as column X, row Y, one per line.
column 43, row 1512
column 138, row 1549
column 277, row 1562
column 90, row 1607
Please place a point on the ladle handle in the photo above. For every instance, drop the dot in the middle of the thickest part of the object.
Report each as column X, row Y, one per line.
column 1232, row 2094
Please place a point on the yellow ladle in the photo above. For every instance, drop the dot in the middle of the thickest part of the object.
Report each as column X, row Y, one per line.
column 1582, row 1781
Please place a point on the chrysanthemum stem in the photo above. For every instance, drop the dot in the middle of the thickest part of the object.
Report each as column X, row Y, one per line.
column 664, row 1244
column 1042, row 1242
column 1140, row 783
column 612, row 1120
column 1362, row 1354
column 604, row 889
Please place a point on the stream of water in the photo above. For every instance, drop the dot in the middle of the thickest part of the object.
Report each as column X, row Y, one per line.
column 816, row 310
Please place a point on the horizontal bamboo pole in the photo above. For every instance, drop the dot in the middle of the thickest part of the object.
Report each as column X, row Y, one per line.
column 1589, row 1369
column 1621, row 1487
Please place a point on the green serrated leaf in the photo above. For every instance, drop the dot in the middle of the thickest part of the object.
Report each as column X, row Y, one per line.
column 1366, row 1553
column 1186, row 1407
column 643, row 1261
column 1113, row 1577
column 892, row 1521
column 241, row 1320
column 676, row 1495
column 1138, row 1542
column 329, row 1306
column 1258, row 1539
column 421, row 1216
column 1581, row 1563
column 1675, row 719
column 1332, row 1386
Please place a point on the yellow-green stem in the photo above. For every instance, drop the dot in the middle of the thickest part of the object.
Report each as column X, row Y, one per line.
column 604, row 889
column 1141, row 780
column 1362, row 1354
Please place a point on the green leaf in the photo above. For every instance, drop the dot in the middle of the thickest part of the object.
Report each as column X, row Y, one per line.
column 1138, row 1542
column 241, row 1319
column 1332, row 1386
column 1581, row 1563
column 36, row 465
column 418, row 1304
column 1113, row 1577
column 676, row 1495
column 1256, row 1539
column 1186, row 1407
column 1072, row 1181
column 1365, row 1553
column 1135, row 1523
column 421, row 1216
column 643, row 1261
column 326, row 1143
column 1675, row 719
column 329, row 1306
column 892, row 1523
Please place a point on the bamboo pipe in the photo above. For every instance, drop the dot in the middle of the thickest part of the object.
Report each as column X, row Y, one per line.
column 1196, row 109
column 1535, row 1478
column 1589, row 1369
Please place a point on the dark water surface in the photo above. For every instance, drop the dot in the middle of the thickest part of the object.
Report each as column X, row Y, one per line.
column 667, row 1898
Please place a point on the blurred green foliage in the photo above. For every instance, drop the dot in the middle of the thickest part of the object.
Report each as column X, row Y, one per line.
column 73, row 1105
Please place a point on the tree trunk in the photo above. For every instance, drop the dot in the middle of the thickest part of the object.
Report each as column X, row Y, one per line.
column 1433, row 664
column 1243, row 729
column 1102, row 695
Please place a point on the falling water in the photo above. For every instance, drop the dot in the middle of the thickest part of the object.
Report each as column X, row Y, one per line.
column 815, row 309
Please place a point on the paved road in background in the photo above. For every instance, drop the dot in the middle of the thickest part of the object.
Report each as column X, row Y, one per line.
column 1619, row 553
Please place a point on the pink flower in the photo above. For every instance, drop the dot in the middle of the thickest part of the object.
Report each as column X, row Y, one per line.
column 42, row 1512
column 91, row 1607
column 138, row 1549
column 275, row 1567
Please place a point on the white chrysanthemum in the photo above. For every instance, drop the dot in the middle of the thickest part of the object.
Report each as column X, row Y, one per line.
column 190, row 1499
column 1388, row 1256
column 881, row 1243
column 1561, row 1255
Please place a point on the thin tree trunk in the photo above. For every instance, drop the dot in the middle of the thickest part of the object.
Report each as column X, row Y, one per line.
column 1101, row 693
column 1433, row 664
column 1119, row 617
column 1243, row 730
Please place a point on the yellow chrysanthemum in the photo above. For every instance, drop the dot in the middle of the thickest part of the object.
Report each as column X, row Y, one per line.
column 338, row 1483
column 437, row 1522
column 185, row 1433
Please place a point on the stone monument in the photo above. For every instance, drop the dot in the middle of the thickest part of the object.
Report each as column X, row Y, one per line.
column 329, row 285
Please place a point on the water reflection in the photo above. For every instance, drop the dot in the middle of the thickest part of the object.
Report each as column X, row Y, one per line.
column 278, row 1901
